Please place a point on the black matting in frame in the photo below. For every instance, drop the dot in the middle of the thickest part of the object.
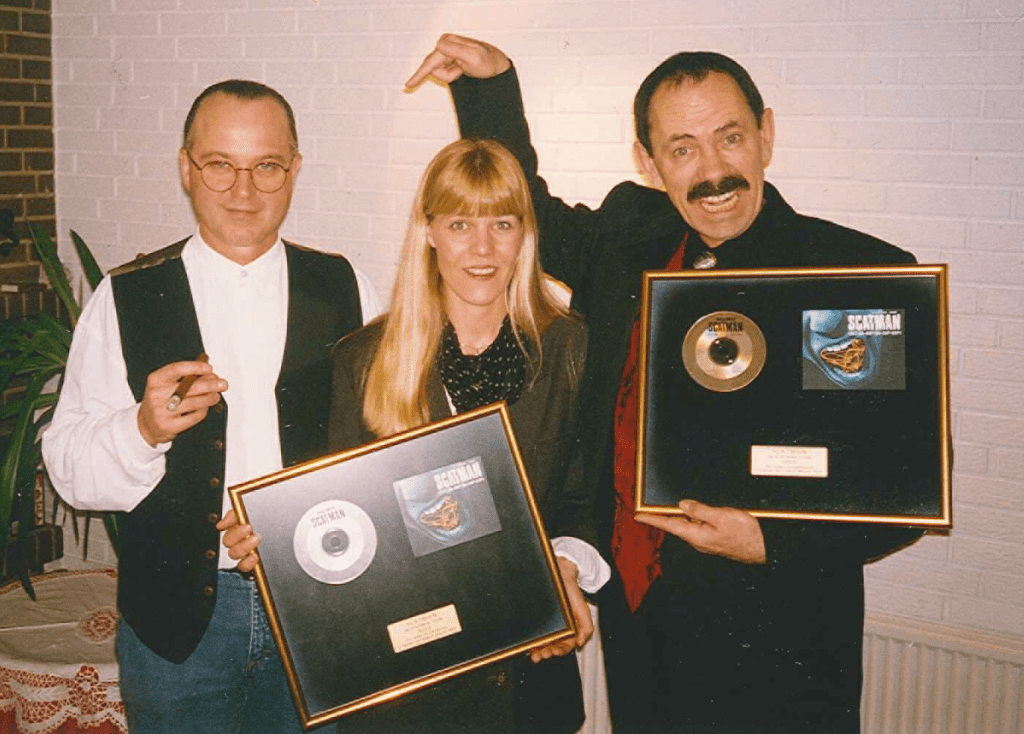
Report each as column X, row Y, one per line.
column 884, row 426
column 499, row 581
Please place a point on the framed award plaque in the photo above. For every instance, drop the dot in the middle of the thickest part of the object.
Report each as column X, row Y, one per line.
column 403, row 563
column 802, row 393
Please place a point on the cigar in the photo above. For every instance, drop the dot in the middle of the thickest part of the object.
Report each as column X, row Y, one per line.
column 183, row 387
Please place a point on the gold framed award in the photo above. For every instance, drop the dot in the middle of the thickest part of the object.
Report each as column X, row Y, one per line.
column 403, row 563
column 797, row 393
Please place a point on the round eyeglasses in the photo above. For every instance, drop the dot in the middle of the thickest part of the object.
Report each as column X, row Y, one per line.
column 220, row 176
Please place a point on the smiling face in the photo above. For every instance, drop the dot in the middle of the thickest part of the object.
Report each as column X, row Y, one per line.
column 241, row 223
column 476, row 257
column 709, row 154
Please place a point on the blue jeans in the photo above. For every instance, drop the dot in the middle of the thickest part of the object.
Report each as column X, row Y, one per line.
column 233, row 681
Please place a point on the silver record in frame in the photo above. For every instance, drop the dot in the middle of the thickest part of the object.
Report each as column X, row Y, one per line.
column 334, row 541
column 403, row 563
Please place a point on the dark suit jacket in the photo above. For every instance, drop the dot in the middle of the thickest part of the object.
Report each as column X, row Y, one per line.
column 545, row 697
column 765, row 639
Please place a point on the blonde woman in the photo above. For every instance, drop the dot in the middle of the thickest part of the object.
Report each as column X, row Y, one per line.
column 472, row 323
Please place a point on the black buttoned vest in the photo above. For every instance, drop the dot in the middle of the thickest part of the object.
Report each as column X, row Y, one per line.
column 167, row 575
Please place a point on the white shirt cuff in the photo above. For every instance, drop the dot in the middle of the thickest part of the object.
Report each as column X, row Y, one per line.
column 136, row 454
column 593, row 571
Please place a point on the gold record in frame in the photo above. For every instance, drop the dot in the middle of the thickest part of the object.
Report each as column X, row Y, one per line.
column 724, row 351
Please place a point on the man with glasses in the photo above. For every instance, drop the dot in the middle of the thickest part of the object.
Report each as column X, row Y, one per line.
column 194, row 368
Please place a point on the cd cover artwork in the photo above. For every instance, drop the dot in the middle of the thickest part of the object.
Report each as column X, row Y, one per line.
column 447, row 506
column 862, row 349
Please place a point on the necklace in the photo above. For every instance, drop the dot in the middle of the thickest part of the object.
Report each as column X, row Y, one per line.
column 472, row 350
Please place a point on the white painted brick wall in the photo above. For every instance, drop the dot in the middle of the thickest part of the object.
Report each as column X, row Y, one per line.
column 904, row 118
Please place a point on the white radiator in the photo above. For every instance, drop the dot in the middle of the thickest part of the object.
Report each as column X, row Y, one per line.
column 919, row 678
column 925, row 678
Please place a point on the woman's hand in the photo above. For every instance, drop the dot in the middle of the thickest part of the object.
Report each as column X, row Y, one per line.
column 240, row 541
column 580, row 610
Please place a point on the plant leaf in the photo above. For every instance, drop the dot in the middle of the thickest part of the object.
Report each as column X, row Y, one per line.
column 54, row 270
column 24, row 505
column 93, row 274
column 26, row 582
column 34, row 349
column 9, row 469
column 24, row 511
column 15, row 407
column 111, row 521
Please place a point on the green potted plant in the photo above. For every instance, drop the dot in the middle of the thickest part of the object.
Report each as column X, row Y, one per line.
column 34, row 351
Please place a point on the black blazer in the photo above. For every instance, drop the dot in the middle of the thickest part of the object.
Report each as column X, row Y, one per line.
column 520, row 697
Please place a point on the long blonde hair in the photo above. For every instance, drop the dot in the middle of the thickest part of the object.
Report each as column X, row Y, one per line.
column 474, row 178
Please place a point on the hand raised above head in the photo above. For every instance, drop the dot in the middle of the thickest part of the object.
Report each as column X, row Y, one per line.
column 718, row 531
column 157, row 421
column 455, row 55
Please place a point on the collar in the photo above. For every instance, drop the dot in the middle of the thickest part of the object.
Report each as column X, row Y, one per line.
column 213, row 262
column 661, row 218
column 757, row 246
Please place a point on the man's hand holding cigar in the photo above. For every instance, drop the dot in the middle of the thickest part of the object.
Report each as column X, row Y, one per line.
column 177, row 397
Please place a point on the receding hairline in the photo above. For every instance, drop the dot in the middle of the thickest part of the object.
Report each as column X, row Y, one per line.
column 215, row 92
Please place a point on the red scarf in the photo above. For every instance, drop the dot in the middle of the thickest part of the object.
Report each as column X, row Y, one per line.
column 635, row 546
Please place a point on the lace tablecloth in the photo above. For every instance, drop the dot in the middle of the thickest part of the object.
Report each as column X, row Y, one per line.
column 58, row 672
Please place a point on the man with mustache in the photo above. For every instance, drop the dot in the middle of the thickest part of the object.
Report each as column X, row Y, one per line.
column 716, row 621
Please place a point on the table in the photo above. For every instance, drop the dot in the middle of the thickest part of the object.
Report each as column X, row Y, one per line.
column 58, row 672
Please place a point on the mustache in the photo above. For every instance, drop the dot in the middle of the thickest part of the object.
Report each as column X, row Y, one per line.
column 708, row 188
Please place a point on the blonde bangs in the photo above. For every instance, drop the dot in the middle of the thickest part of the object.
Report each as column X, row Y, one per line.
column 478, row 184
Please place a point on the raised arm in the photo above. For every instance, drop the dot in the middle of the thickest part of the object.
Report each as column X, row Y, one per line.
column 488, row 103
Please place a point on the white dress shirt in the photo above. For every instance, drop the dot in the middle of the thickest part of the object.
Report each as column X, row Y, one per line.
column 94, row 453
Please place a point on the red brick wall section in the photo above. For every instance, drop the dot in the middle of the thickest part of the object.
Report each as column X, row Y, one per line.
column 26, row 138
column 26, row 158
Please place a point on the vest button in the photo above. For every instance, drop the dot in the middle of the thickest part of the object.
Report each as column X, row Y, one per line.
column 218, row 445
column 213, row 517
column 210, row 554
column 214, row 482
column 207, row 590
